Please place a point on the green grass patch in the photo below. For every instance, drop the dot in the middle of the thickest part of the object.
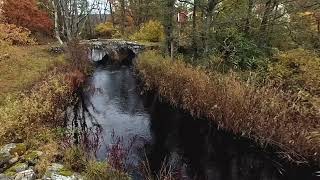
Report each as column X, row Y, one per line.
column 102, row 171
column 65, row 172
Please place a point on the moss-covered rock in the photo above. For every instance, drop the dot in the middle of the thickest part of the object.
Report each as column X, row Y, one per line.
column 7, row 148
column 5, row 155
column 32, row 157
column 4, row 159
column 9, row 174
column 19, row 167
column 3, row 176
column 26, row 175
column 59, row 172
column 65, row 172
column 19, row 149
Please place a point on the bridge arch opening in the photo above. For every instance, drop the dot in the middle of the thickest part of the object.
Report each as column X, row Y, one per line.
column 121, row 56
column 106, row 58
column 128, row 57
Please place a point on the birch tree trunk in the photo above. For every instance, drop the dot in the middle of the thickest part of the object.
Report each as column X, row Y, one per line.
column 111, row 12
column 65, row 18
column 75, row 19
column 56, row 22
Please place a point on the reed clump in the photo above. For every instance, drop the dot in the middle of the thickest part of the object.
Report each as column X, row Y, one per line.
column 265, row 114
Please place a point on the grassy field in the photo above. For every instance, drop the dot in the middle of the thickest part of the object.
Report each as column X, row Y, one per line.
column 33, row 91
column 21, row 67
column 265, row 114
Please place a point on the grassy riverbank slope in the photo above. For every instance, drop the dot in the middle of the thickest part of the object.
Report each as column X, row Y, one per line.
column 37, row 87
column 21, row 67
column 265, row 114
column 34, row 93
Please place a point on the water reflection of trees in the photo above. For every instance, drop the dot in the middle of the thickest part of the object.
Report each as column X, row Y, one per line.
column 83, row 127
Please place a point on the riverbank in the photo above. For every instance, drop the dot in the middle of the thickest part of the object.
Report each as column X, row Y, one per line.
column 34, row 95
column 22, row 66
column 264, row 114
column 37, row 87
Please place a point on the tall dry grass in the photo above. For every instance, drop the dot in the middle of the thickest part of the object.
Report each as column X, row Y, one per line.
column 33, row 109
column 166, row 172
column 265, row 114
column 42, row 106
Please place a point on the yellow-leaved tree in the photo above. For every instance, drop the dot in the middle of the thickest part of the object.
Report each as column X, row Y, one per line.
column 151, row 31
column 106, row 30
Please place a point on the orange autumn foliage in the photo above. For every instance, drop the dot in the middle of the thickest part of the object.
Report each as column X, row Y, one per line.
column 14, row 35
column 25, row 13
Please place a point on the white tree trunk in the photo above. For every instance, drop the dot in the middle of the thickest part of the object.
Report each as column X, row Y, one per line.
column 56, row 23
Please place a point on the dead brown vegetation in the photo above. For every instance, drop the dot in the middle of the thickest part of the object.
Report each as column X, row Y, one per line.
column 35, row 111
column 265, row 114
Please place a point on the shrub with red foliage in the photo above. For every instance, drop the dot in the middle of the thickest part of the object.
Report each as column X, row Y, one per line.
column 26, row 13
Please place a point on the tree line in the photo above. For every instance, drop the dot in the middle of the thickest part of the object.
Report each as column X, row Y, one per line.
column 230, row 27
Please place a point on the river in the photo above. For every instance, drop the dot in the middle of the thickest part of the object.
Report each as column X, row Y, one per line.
column 150, row 130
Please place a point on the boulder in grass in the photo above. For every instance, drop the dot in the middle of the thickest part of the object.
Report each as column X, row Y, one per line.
column 59, row 172
column 19, row 167
column 32, row 157
column 26, row 175
column 4, row 177
column 19, row 149
column 6, row 156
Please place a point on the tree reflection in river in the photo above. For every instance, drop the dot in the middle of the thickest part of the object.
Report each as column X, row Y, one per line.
column 83, row 127
column 192, row 148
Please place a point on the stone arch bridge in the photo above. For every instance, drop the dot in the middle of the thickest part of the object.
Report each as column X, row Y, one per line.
column 115, row 50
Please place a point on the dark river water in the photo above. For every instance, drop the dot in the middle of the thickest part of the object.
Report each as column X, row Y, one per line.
column 152, row 130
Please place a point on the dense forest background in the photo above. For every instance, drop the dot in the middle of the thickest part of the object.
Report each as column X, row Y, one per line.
column 209, row 25
column 240, row 34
